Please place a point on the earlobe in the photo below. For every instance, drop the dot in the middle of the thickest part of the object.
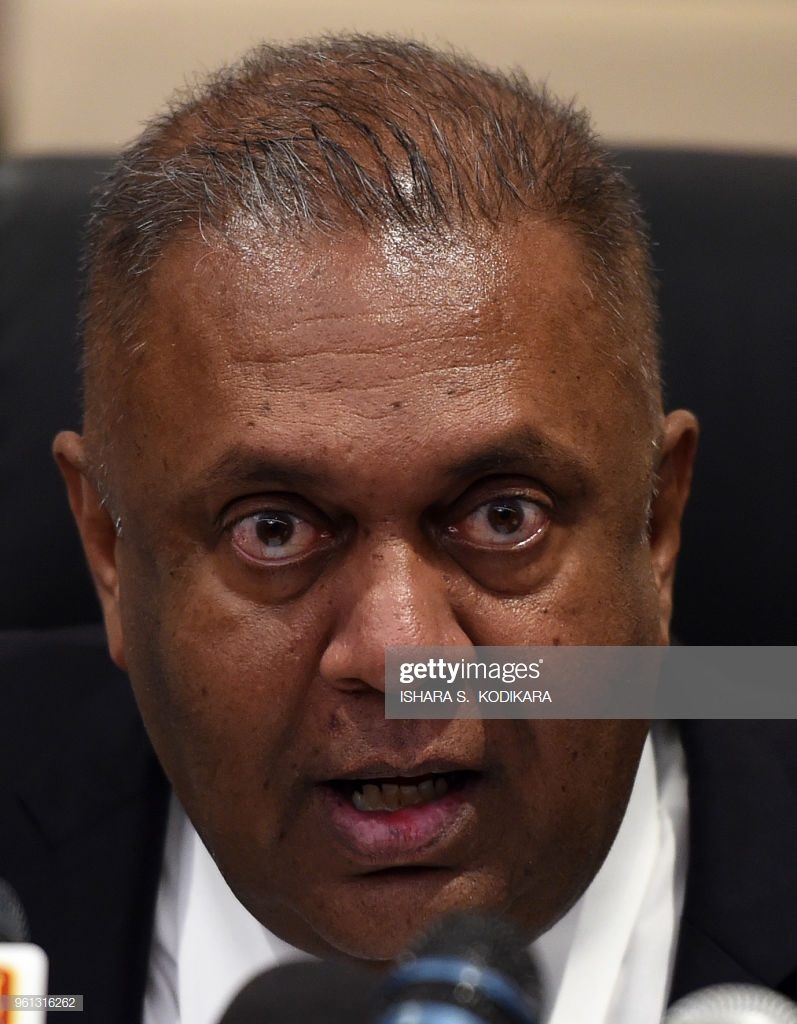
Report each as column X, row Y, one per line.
column 673, row 482
column 97, row 532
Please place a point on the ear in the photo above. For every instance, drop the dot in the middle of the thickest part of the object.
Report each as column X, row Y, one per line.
column 673, row 482
column 97, row 532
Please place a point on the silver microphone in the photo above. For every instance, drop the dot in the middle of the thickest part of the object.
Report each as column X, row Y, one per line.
column 733, row 1004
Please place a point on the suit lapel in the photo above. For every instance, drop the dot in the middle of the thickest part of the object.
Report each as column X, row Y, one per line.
column 88, row 824
column 740, row 913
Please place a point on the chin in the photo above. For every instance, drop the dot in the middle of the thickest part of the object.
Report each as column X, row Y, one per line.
column 379, row 916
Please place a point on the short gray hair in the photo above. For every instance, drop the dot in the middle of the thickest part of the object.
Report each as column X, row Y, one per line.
column 334, row 133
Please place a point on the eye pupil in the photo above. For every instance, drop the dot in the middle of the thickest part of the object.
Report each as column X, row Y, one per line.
column 505, row 517
column 273, row 531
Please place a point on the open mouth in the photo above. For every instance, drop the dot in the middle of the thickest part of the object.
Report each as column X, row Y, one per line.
column 394, row 794
column 395, row 820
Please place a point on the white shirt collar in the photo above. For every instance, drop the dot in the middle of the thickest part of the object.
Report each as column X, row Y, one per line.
column 608, row 959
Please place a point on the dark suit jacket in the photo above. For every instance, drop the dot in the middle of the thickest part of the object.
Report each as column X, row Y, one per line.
column 84, row 808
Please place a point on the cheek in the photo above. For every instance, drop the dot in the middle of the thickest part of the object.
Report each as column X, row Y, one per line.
column 221, row 684
column 606, row 593
column 574, row 780
column 587, row 603
column 588, row 770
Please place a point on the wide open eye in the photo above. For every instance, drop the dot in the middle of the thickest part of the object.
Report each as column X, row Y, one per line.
column 271, row 536
column 504, row 522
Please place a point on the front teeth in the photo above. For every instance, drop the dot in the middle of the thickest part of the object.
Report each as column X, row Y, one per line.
column 389, row 796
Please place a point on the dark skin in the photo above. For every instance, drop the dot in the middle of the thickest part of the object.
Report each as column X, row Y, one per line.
column 335, row 446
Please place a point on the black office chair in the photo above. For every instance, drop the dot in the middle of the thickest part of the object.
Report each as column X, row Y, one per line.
column 725, row 231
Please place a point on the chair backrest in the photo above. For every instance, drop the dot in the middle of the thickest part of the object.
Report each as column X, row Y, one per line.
column 44, row 204
column 725, row 231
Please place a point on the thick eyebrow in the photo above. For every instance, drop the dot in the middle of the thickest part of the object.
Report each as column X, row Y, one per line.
column 527, row 448
column 247, row 465
column 518, row 449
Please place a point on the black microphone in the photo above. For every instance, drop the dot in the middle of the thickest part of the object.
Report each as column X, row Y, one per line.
column 469, row 968
column 306, row 992
column 23, row 965
column 733, row 1004
column 13, row 923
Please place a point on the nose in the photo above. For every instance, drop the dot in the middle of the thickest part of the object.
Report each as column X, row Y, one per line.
column 392, row 597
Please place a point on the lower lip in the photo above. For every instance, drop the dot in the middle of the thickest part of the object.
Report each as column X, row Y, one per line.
column 393, row 838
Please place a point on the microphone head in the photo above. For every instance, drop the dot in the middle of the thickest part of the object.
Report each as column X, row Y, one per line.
column 476, row 964
column 13, row 923
column 733, row 1004
column 306, row 992
column 486, row 940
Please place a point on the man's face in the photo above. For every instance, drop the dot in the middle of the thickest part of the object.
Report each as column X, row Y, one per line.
column 341, row 445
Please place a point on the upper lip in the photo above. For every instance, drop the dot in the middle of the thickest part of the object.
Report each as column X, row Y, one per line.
column 373, row 769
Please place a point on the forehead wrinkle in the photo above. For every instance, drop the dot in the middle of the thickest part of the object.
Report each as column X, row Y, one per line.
column 363, row 333
column 356, row 350
column 354, row 333
column 329, row 381
column 479, row 297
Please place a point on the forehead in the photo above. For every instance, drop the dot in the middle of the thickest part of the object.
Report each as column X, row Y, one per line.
column 282, row 303
column 382, row 278
column 353, row 340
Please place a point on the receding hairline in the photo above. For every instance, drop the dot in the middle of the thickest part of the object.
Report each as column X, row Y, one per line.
column 203, row 163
